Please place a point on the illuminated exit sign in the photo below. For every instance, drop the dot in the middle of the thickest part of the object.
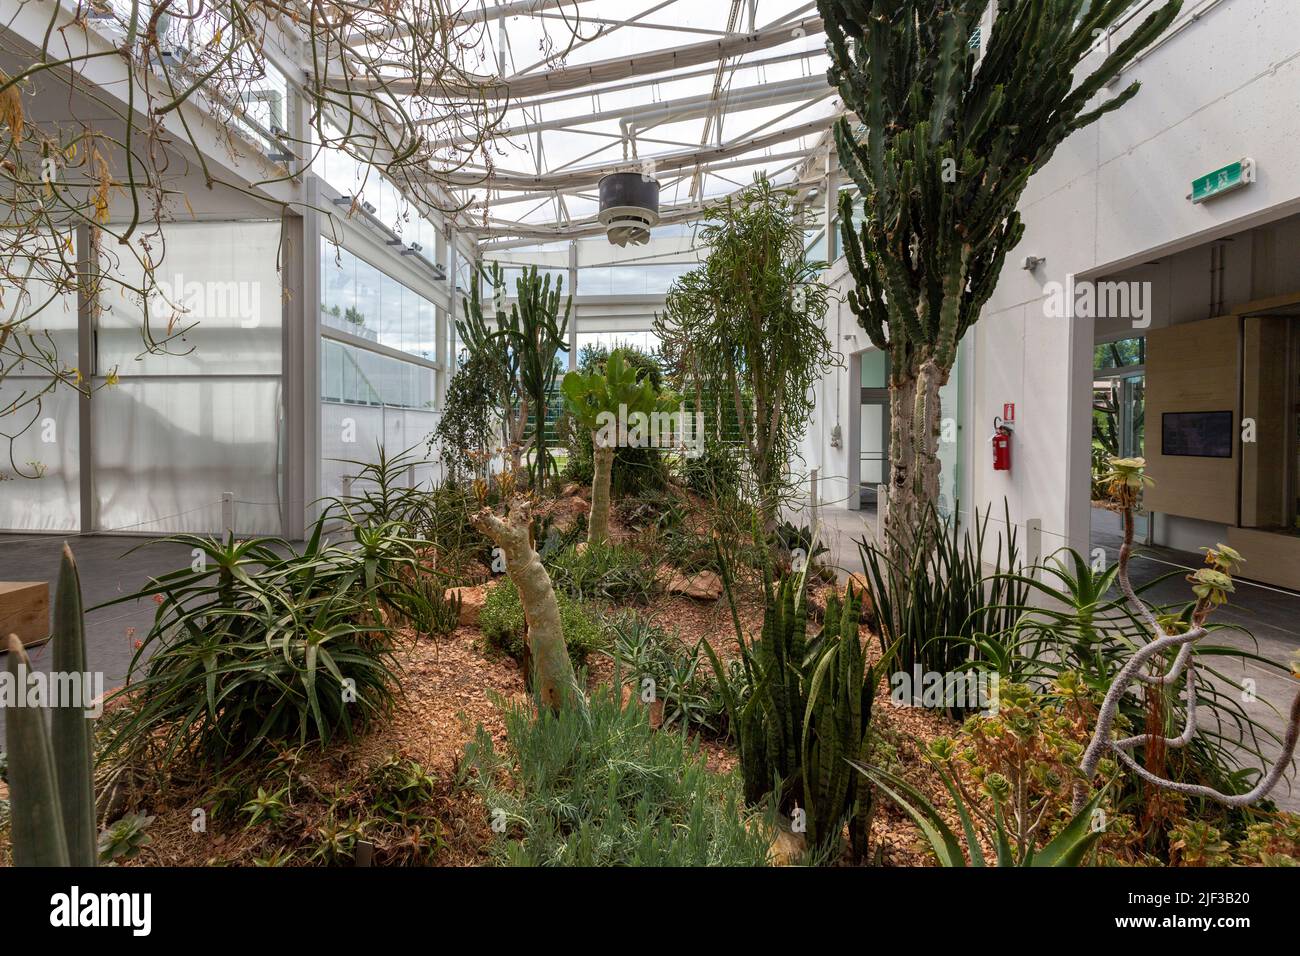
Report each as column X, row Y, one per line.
column 1229, row 179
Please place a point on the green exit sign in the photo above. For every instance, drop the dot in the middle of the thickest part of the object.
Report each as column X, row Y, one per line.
column 1230, row 178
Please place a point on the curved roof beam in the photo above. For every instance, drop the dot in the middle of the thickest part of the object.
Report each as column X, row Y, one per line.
column 641, row 65
column 669, row 162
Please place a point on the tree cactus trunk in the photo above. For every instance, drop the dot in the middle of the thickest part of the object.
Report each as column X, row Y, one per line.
column 552, row 671
column 915, row 418
column 602, row 470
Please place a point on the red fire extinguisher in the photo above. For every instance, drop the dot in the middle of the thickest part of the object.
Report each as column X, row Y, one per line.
column 1002, row 430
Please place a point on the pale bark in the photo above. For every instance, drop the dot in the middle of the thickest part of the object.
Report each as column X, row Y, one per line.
column 601, row 472
column 553, row 675
column 1183, row 666
column 915, row 414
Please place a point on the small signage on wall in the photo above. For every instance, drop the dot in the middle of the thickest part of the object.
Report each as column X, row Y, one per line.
column 1229, row 179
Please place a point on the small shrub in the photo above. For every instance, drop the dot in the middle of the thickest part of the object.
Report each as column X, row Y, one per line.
column 601, row 788
column 604, row 572
column 502, row 622
column 715, row 474
column 125, row 839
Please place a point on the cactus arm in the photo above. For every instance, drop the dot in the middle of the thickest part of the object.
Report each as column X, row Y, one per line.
column 36, row 821
column 72, row 732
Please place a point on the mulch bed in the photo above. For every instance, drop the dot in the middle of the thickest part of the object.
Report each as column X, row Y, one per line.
column 448, row 690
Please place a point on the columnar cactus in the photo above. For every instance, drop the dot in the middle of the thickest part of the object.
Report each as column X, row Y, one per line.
column 51, row 790
column 524, row 345
column 941, row 158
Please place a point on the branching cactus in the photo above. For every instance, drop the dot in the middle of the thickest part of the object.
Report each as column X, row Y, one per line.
column 521, row 348
column 946, row 144
column 553, row 677
column 51, row 791
column 1211, row 585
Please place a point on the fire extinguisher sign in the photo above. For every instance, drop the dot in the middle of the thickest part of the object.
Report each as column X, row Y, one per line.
column 1009, row 412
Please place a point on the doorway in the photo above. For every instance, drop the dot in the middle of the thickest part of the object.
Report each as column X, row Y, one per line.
column 873, row 427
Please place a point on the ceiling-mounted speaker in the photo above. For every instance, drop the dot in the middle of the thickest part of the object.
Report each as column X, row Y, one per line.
column 629, row 207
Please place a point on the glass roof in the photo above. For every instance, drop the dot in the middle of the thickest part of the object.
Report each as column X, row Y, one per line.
column 599, row 88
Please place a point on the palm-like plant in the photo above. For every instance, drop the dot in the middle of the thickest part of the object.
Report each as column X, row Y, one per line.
column 947, row 144
column 603, row 402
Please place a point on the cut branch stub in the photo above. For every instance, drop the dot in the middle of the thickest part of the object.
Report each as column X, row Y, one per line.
column 552, row 671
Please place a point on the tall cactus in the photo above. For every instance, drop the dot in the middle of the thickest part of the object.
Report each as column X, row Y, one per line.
column 523, row 345
column 941, row 159
column 497, row 360
column 539, row 332
column 51, row 789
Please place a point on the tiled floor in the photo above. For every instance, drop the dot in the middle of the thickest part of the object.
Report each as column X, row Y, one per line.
column 109, row 567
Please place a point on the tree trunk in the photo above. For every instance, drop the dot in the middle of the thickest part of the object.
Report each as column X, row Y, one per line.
column 552, row 671
column 602, row 470
column 915, row 414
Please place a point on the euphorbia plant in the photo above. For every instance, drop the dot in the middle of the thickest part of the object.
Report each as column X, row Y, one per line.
column 617, row 408
column 1211, row 585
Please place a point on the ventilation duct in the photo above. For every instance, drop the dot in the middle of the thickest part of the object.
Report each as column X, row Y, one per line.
column 629, row 207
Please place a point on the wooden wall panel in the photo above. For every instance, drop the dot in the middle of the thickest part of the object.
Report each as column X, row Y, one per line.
column 1193, row 367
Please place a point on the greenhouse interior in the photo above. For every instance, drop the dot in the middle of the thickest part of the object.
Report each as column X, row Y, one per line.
column 579, row 433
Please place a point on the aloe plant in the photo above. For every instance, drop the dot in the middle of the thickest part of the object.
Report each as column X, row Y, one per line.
column 51, row 791
column 1067, row 848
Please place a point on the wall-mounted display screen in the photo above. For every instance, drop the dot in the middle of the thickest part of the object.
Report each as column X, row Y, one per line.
column 1196, row 434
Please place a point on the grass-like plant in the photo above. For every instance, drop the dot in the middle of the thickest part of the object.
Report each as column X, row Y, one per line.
column 601, row 788
column 604, row 572
column 931, row 603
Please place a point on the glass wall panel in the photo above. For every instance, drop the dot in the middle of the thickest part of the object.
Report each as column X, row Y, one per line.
column 39, row 429
column 356, row 376
column 40, row 464
column 217, row 291
column 166, row 450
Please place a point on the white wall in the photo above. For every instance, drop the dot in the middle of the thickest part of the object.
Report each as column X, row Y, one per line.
column 1115, row 196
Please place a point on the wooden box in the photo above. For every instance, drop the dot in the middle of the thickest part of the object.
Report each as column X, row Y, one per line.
column 24, row 610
